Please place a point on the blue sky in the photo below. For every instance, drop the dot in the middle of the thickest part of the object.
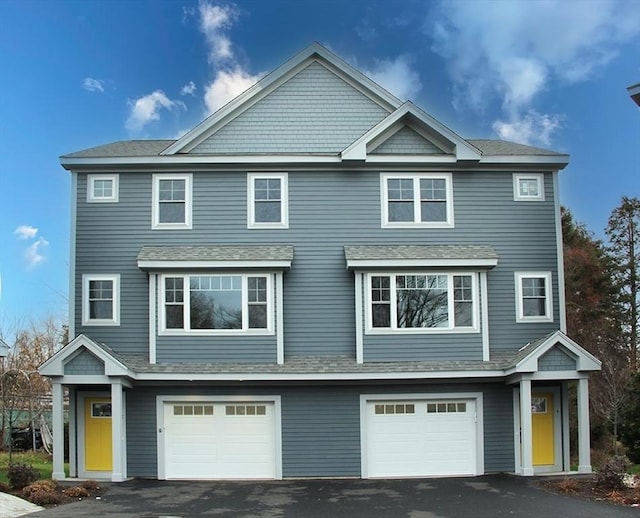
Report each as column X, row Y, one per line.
column 76, row 74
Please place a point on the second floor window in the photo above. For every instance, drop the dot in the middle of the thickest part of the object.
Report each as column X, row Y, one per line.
column 267, row 200
column 171, row 201
column 101, row 305
column 439, row 301
column 213, row 304
column 423, row 200
column 533, row 297
column 102, row 188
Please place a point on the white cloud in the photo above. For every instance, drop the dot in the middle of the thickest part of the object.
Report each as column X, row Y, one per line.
column 531, row 128
column 147, row 109
column 214, row 21
column 93, row 85
column 26, row 232
column 35, row 253
column 397, row 76
column 512, row 51
column 188, row 89
column 227, row 85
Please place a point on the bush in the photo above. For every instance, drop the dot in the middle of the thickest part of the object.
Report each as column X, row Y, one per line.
column 76, row 492
column 21, row 475
column 43, row 492
column 611, row 476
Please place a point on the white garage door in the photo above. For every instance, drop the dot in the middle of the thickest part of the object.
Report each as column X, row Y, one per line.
column 218, row 440
column 421, row 438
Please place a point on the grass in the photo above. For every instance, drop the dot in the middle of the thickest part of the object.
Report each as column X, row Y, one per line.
column 635, row 468
column 40, row 461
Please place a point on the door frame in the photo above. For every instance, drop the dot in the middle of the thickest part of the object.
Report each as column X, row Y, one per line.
column 81, row 440
column 559, row 410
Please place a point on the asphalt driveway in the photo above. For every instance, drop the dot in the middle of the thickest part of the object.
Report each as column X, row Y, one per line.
column 488, row 496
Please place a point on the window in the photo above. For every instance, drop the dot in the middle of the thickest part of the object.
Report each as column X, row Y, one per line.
column 267, row 200
column 102, row 188
column 394, row 408
column 422, row 302
column 424, row 200
column 171, row 201
column 533, row 297
column 100, row 295
column 100, row 409
column 216, row 304
column 528, row 187
column 446, row 408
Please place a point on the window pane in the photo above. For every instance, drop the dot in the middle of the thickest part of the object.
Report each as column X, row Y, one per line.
column 171, row 212
column 267, row 212
column 216, row 308
column 103, row 188
column 433, row 189
column 174, row 316
column 529, row 187
column 257, row 289
column 534, row 307
column 401, row 211
column 267, row 189
column 101, row 299
column 172, row 190
column 257, row 316
column 101, row 309
column 400, row 189
column 422, row 307
column 533, row 287
column 381, row 315
column 433, row 211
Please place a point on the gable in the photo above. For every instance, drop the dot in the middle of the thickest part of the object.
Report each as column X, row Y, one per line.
column 556, row 359
column 406, row 141
column 315, row 111
column 84, row 363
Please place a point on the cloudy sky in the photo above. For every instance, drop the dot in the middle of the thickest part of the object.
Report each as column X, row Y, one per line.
column 76, row 74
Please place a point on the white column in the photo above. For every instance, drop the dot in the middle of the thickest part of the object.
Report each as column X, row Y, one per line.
column 73, row 444
column 566, row 460
column 584, row 441
column 117, row 431
column 58, row 431
column 526, row 435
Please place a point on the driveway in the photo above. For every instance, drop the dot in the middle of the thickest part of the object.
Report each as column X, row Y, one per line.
column 488, row 496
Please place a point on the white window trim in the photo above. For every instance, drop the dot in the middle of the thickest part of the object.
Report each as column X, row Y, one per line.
column 115, row 321
column 92, row 198
column 384, row 197
column 284, row 201
column 538, row 177
column 188, row 209
column 474, row 328
column 245, row 331
column 520, row 317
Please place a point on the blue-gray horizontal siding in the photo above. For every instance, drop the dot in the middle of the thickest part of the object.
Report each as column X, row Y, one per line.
column 320, row 425
column 327, row 209
column 556, row 360
column 407, row 142
column 313, row 112
column 84, row 363
column 426, row 346
column 216, row 349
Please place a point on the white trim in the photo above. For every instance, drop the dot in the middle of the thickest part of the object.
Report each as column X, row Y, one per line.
column 73, row 431
column 57, row 418
column 484, row 316
column 284, row 201
column 359, row 320
column 161, row 431
column 87, row 278
column 548, row 288
column 420, row 263
column 92, row 198
column 584, row 446
column 476, row 396
column 562, row 309
column 191, row 265
column 153, row 312
column 537, row 177
column 188, row 201
column 566, row 435
column 73, row 219
column 416, row 223
column 277, row 293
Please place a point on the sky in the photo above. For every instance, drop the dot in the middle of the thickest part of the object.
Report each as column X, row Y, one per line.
column 77, row 74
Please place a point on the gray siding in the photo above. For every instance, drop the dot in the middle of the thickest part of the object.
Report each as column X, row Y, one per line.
column 407, row 142
column 556, row 360
column 212, row 349
column 84, row 363
column 320, row 425
column 313, row 112
column 427, row 347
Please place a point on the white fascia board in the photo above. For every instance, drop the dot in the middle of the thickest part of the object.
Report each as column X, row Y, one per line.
column 411, row 159
column 420, row 263
column 188, row 265
column 559, row 161
column 355, row 376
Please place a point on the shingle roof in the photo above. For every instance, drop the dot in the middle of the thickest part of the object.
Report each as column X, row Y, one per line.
column 417, row 252
column 503, row 147
column 216, row 253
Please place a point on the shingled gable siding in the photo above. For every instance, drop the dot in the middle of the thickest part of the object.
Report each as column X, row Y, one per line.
column 328, row 209
column 407, row 141
column 556, row 360
column 313, row 112
column 84, row 363
column 320, row 425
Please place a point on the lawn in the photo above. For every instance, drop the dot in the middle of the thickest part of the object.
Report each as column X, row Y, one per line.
column 41, row 461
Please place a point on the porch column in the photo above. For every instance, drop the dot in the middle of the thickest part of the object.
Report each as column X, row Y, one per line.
column 73, row 443
column 526, row 435
column 58, row 430
column 117, row 432
column 584, row 441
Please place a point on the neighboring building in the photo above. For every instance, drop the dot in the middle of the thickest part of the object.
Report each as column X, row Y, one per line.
column 634, row 93
column 317, row 281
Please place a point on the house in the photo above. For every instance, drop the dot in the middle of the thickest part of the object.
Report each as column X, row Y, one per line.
column 319, row 280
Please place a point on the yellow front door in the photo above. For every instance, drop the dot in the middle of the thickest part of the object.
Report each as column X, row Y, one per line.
column 97, row 434
column 542, row 428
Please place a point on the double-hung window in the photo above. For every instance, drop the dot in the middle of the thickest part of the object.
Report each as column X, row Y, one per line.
column 422, row 302
column 101, row 300
column 171, row 201
column 102, row 188
column 528, row 187
column 533, row 297
column 267, row 200
column 206, row 303
column 421, row 200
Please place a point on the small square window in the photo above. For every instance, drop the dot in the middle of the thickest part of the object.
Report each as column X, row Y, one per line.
column 528, row 187
column 102, row 188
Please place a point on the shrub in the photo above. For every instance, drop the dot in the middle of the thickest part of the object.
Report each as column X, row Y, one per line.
column 21, row 475
column 568, row 486
column 611, row 476
column 76, row 492
column 43, row 492
column 90, row 485
column 4, row 488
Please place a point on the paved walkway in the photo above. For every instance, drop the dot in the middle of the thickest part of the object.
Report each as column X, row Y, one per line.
column 12, row 506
